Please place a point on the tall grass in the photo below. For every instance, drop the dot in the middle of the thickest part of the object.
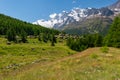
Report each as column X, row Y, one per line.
column 76, row 68
column 15, row 56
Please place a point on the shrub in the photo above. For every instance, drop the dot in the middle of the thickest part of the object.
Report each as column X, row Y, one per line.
column 94, row 56
column 69, row 53
column 105, row 49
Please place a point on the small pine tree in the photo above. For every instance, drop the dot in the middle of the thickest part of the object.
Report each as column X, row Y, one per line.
column 45, row 38
column 98, row 40
column 53, row 40
column 39, row 37
column 23, row 36
column 11, row 35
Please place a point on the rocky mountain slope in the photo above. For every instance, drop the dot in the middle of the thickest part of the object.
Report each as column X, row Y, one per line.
column 115, row 6
column 92, row 25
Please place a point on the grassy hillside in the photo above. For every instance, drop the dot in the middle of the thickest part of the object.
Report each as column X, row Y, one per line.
column 91, row 64
column 16, row 56
column 39, row 60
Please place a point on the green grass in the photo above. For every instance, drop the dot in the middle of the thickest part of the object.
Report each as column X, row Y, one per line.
column 105, row 49
column 39, row 61
column 15, row 56
column 76, row 67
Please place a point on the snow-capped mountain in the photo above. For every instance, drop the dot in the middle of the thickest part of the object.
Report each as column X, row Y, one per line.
column 58, row 21
column 62, row 19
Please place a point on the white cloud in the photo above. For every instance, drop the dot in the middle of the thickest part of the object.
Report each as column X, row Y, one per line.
column 53, row 15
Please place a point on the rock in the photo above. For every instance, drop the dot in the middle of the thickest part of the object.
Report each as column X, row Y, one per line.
column 8, row 43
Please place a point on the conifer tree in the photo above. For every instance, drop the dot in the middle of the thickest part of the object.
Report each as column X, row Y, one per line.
column 11, row 35
column 113, row 37
column 40, row 37
column 45, row 37
column 23, row 36
column 53, row 40
column 98, row 40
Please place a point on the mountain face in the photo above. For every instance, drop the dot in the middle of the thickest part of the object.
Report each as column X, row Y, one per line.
column 58, row 21
column 115, row 6
column 91, row 25
column 79, row 19
column 62, row 19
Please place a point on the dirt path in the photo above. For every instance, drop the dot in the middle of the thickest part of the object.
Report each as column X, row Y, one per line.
column 30, row 67
column 77, row 55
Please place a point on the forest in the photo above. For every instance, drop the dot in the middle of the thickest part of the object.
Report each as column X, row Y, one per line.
column 111, row 39
column 13, row 28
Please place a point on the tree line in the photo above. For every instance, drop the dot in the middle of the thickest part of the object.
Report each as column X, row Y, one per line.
column 83, row 42
column 112, row 39
column 47, row 37
column 12, row 27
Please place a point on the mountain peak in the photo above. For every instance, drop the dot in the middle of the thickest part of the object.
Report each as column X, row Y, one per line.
column 115, row 6
column 58, row 21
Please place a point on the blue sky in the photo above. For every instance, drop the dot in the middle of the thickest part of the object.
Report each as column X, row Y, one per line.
column 32, row 10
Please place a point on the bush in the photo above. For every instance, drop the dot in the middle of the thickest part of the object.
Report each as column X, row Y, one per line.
column 94, row 56
column 69, row 53
column 105, row 49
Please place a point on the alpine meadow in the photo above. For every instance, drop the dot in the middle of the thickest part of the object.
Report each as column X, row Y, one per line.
column 78, row 44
